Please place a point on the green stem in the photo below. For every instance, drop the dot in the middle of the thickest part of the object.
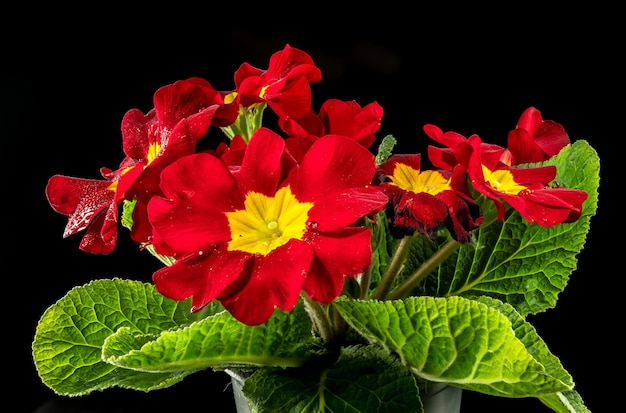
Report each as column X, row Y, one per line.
column 321, row 321
column 394, row 268
column 425, row 269
column 364, row 285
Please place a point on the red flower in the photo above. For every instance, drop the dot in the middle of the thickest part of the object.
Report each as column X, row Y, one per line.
column 525, row 189
column 424, row 201
column 254, row 237
column 284, row 86
column 336, row 117
column 91, row 206
column 181, row 115
column 455, row 145
column 534, row 139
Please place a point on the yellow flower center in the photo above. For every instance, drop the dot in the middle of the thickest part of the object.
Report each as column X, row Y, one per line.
column 263, row 90
column 115, row 184
column 153, row 152
column 267, row 223
column 410, row 179
column 502, row 181
column 230, row 98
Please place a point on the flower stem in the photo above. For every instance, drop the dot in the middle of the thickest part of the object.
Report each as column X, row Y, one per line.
column 394, row 268
column 364, row 285
column 321, row 321
column 426, row 268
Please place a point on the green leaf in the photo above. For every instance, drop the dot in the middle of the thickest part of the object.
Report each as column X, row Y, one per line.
column 527, row 266
column 385, row 149
column 455, row 340
column 527, row 334
column 218, row 341
column 364, row 378
column 565, row 402
column 70, row 334
column 383, row 247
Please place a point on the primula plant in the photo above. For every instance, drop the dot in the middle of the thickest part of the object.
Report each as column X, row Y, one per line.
column 333, row 273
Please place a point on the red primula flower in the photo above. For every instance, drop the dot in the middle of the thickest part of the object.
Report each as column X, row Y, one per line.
column 534, row 139
column 91, row 206
column 424, row 201
column 336, row 117
column 181, row 115
column 525, row 189
column 254, row 237
column 455, row 147
column 284, row 86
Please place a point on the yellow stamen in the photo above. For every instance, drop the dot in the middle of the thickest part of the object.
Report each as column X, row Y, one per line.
column 153, row 152
column 230, row 98
column 267, row 223
column 410, row 179
column 502, row 181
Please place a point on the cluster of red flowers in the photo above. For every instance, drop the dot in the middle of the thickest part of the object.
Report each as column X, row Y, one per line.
column 270, row 215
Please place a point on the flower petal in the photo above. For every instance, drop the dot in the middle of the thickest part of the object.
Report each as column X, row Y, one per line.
column 261, row 168
column 274, row 280
column 200, row 276
column 336, row 210
column 326, row 275
column 191, row 217
column 334, row 163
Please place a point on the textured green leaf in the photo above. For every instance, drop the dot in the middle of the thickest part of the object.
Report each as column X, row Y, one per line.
column 454, row 340
column 383, row 246
column 562, row 402
column 565, row 402
column 70, row 334
column 218, row 341
column 527, row 266
column 363, row 379
column 385, row 149
column 527, row 334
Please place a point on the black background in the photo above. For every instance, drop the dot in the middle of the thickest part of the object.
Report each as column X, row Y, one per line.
column 70, row 75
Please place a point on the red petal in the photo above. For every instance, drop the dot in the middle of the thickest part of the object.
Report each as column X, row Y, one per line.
column 136, row 128
column 192, row 217
column 203, row 277
column 261, row 168
column 101, row 236
column 334, row 163
column 80, row 199
column 291, row 62
column 336, row 210
column 289, row 99
column 266, row 288
column 326, row 277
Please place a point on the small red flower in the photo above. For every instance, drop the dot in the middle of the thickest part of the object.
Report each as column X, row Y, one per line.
column 91, row 206
column 284, row 86
column 527, row 190
column 426, row 200
column 534, row 139
column 253, row 237
column 336, row 117
column 182, row 114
